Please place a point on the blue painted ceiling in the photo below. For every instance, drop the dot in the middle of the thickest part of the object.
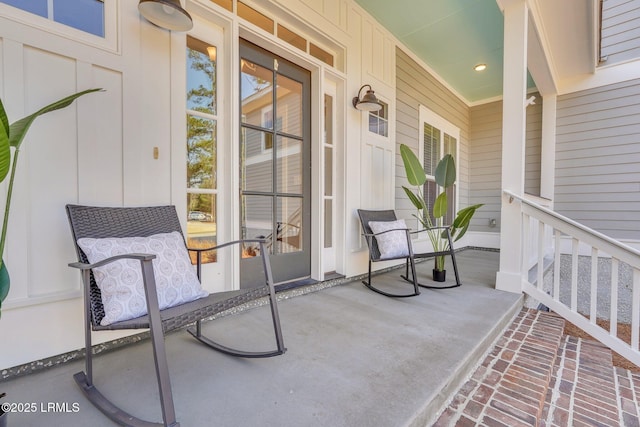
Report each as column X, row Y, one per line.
column 451, row 37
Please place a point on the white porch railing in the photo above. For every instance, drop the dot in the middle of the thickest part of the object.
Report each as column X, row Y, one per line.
column 579, row 288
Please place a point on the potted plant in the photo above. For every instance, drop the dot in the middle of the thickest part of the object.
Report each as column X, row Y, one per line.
column 12, row 136
column 445, row 177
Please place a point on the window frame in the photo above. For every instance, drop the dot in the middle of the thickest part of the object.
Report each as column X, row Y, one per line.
column 110, row 41
column 376, row 116
column 216, row 118
column 427, row 116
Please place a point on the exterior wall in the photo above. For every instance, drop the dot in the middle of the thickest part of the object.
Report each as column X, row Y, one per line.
column 533, row 148
column 486, row 164
column 415, row 87
column 97, row 151
column 598, row 158
column 100, row 150
column 620, row 31
column 486, row 159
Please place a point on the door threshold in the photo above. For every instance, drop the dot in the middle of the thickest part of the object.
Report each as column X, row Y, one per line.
column 296, row 283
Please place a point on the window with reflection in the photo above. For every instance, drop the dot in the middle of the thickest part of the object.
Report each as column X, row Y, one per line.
column 202, row 119
column 379, row 120
column 271, row 151
column 84, row 15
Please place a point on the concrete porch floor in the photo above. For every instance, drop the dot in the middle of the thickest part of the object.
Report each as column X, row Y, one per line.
column 355, row 358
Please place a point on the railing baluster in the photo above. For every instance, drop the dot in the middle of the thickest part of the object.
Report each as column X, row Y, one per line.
column 574, row 274
column 556, row 268
column 593, row 311
column 613, row 316
column 526, row 228
column 635, row 309
column 564, row 228
column 540, row 254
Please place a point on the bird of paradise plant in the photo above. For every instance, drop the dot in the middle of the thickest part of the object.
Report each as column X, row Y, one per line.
column 12, row 136
column 445, row 177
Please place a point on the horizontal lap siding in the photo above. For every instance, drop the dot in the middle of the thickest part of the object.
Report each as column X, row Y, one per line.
column 533, row 148
column 415, row 87
column 486, row 159
column 598, row 158
column 620, row 30
column 486, row 163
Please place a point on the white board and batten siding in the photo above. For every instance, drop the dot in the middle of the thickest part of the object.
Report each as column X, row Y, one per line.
column 93, row 152
column 100, row 150
column 598, row 158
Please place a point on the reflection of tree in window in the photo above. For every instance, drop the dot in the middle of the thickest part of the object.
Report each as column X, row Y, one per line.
column 201, row 145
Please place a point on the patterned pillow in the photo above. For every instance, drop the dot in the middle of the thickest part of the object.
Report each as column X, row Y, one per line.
column 394, row 243
column 120, row 282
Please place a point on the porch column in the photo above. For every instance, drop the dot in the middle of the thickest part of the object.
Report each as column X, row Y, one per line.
column 516, row 15
column 548, row 155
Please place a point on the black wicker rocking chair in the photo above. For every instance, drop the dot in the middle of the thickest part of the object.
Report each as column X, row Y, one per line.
column 103, row 222
column 366, row 216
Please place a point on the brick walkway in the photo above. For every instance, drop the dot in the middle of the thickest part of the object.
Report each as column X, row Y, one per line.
column 535, row 376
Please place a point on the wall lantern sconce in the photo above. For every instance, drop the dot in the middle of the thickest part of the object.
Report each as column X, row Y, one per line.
column 167, row 14
column 368, row 102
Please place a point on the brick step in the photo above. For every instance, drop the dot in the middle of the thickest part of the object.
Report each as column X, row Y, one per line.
column 536, row 376
column 586, row 390
column 510, row 386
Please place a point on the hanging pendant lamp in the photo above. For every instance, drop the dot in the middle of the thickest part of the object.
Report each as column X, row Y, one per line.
column 167, row 14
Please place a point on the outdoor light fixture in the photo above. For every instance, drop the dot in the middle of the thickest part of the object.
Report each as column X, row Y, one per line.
column 480, row 67
column 368, row 102
column 167, row 14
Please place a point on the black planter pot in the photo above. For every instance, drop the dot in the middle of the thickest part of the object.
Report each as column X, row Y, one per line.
column 439, row 275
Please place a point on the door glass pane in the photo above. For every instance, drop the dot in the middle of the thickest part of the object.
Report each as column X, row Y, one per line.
column 328, row 223
column 201, row 224
column 289, row 165
column 201, row 153
column 328, row 171
column 256, row 96
column 257, row 162
column 328, row 120
column 256, row 222
column 202, row 159
column 289, row 225
column 201, row 76
column 289, row 106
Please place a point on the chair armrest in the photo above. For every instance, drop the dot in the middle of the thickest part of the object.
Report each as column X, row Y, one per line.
column 222, row 245
column 148, row 280
column 266, row 263
column 86, row 266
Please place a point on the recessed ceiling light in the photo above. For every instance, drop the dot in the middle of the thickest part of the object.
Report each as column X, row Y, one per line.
column 480, row 67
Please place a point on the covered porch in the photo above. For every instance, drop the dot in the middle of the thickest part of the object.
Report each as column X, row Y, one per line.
column 355, row 358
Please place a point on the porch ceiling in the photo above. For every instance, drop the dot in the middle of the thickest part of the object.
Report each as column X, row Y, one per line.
column 452, row 36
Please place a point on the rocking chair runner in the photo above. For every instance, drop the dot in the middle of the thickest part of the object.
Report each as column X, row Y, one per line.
column 367, row 216
column 106, row 222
